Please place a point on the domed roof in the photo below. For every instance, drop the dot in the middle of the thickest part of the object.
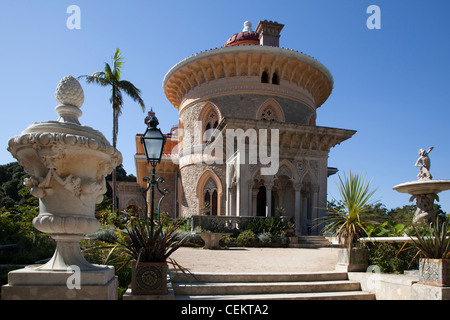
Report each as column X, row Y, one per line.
column 246, row 37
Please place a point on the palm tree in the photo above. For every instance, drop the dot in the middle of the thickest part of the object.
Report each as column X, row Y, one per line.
column 346, row 220
column 111, row 77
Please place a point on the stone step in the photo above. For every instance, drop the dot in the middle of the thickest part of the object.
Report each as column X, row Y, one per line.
column 246, row 288
column 345, row 295
column 326, row 285
column 311, row 242
column 260, row 277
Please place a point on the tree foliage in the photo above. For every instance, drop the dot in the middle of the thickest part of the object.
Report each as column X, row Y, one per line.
column 12, row 190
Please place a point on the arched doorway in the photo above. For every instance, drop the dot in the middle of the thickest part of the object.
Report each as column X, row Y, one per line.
column 261, row 202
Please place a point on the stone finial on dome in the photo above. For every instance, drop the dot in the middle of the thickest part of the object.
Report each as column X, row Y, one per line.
column 70, row 97
column 247, row 26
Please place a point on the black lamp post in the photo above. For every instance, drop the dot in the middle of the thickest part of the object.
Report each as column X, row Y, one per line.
column 153, row 141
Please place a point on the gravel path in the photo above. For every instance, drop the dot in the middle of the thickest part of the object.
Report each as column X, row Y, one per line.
column 250, row 260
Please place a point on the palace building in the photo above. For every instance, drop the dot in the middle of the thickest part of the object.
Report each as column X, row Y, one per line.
column 240, row 106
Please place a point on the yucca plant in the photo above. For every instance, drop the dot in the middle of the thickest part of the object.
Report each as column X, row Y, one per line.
column 433, row 243
column 145, row 244
column 347, row 221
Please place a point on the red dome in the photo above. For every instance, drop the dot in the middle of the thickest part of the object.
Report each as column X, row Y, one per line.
column 244, row 37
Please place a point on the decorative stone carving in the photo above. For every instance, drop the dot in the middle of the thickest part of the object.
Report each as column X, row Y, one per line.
column 424, row 190
column 69, row 92
column 424, row 163
column 67, row 164
column 425, row 204
column 284, row 171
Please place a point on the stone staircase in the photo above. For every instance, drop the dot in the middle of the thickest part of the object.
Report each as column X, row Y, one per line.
column 330, row 285
column 310, row 242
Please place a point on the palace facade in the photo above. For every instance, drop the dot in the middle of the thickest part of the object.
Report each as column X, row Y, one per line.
column 239, row 106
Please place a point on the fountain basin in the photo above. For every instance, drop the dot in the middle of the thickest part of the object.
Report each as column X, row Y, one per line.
column 423, row 187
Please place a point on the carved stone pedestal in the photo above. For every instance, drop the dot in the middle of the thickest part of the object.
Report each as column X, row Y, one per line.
column 67, row 164
column 32, row 283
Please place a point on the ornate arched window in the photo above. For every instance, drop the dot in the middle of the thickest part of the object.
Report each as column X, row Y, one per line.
column 210, row 196
column 211, row 122
column 270, row 110
column 268, row 114
column 275, row 79
column 210, row 119
column 209, row 192
column 264, row 77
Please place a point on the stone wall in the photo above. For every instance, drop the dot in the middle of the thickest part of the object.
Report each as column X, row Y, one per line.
column 245, row 106
column 189, row 177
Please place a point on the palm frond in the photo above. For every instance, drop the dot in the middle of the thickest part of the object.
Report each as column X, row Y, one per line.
column 117, row 62
column 133, row 92
column 109, row 74
column 97, row 77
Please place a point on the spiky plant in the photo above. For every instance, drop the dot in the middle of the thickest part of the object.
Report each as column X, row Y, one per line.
column 347, row 221
column 147, row 244
column 433, row 242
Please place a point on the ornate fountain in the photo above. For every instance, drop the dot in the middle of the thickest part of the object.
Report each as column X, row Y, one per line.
column 67, row 163
column 425, row 190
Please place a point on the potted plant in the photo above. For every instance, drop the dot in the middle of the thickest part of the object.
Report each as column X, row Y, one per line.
column 346, row 222
column 150, row 248
column 434, row 244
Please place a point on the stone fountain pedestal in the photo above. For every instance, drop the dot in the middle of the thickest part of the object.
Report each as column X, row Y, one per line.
column 425, row 192
column 67, row 164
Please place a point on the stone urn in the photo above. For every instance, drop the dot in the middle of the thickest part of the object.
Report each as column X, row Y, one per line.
column 67, row 163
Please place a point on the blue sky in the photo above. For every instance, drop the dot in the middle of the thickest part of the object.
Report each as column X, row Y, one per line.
column 391, row 85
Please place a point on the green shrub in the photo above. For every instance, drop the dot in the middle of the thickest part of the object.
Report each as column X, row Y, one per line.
column 193, row 239
column 16, row 228
column 389, row 258
column 272, row 225
column 107, row 234
column 103, row 253
column 247, row 238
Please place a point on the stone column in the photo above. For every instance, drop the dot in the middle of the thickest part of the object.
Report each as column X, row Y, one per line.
column 254, row 201
column 307, row 221
column 67, row 163
column 297, row 209
column 269, row 187
column 315, row 207
column 232, row 201
column 250, row 199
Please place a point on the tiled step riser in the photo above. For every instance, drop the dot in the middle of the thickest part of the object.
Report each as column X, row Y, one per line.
column 263, row 288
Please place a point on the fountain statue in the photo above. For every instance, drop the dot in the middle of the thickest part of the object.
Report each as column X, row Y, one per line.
column 67, row 163
column 425, row 190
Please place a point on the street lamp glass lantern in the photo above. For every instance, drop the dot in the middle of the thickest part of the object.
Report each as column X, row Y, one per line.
column 153, row 141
